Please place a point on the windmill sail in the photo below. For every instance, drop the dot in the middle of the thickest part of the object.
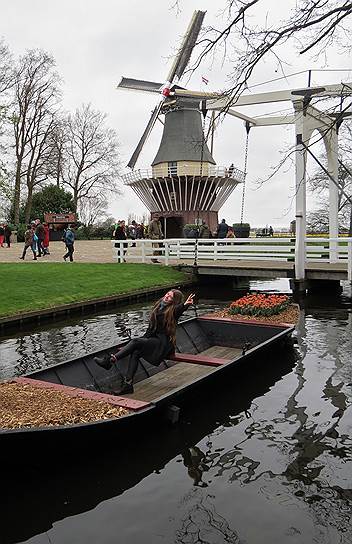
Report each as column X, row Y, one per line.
column 139, row 85
column 184, row 54
column 145, row 135
column 178, row 67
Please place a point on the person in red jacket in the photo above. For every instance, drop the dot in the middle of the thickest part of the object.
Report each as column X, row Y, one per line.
column 2, row 235
column 46, row 239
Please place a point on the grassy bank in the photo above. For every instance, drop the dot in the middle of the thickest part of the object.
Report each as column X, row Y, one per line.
column 27, row 287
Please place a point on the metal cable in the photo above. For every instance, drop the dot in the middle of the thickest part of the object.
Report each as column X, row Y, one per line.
column 248, row 127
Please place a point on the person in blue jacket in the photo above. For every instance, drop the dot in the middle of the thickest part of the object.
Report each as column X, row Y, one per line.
column 69, row 239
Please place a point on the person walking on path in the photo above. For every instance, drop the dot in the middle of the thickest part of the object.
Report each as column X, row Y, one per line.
column 46, row 239
column 271, row 231
column 69, row 239
column 120, row 234
column 7, row 234
column 157, row 343
column 222, row 230
column 155, row 233
column 39, row 230
column 2, row 235
column 28, row 242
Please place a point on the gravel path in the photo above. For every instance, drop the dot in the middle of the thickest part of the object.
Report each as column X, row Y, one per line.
column 86, row 251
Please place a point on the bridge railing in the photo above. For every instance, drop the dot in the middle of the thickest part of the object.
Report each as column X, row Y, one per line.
column 175, row 250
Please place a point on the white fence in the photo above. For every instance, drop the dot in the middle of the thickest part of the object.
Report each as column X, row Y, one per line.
column 174, row 250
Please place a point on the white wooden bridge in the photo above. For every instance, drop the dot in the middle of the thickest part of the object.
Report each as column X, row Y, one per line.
column 325, row 258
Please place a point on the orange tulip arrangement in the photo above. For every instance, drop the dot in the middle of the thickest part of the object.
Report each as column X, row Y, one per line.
column 259, row 305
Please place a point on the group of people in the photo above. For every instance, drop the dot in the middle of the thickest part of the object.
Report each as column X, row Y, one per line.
column 223, row 231
column 36, row 238
column 133, row 231
column 5, row 235
column 137, row 231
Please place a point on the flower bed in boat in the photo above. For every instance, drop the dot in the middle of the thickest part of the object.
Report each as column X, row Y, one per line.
column 24, row 405
column 261, row 307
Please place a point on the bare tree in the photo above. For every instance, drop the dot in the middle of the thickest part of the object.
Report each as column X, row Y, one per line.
column 6, row 69
column 311, row 26
column 36, row 100
column 91, row 164
column 92, row 209
column 59, row 142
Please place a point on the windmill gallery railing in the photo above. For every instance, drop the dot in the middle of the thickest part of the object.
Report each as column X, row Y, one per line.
column 161, row 171
column 173, row 251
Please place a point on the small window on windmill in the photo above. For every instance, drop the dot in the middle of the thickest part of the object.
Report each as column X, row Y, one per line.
column 172, row 168
column 173, row 197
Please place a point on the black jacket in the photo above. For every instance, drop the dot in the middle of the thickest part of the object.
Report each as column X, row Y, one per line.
column 160, row 345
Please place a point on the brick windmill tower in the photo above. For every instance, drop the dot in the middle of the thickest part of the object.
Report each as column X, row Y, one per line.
column 184, row 184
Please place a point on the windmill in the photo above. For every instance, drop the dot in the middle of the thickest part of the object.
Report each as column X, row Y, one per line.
column 184, row 184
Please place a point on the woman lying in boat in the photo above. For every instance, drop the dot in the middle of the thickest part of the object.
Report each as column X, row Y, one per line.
column 158, row 342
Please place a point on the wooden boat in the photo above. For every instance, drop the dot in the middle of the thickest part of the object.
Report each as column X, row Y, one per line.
column 208, row 349
column 74, row 484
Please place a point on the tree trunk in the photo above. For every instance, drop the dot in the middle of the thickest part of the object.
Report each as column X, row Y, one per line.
column 17, row 195
column 27, row 213
column 75, row 197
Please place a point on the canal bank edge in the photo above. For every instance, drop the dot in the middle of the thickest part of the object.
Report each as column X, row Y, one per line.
column 91, row 304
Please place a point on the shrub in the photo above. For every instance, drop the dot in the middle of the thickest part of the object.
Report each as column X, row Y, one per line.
column 239, row 225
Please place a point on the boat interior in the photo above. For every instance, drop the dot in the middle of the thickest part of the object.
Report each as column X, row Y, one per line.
column 202, row 345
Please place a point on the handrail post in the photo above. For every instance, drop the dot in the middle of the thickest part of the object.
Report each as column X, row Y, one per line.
column 333, row 251
column 143, row 250
column 166, row 252
column 215, row 250
column 349, row 262
column 120, row 256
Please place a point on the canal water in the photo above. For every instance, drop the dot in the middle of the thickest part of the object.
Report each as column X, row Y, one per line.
column 266, row 458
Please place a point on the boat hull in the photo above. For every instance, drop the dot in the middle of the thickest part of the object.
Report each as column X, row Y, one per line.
column 238, row 343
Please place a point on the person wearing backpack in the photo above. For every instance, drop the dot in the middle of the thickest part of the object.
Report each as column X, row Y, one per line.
column 69, row 239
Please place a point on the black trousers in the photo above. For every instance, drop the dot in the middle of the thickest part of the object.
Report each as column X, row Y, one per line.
column 124, row 251
column 7, row 240
column 135, row 350
column 40, row 247
column 25, row 251
column 70, row 250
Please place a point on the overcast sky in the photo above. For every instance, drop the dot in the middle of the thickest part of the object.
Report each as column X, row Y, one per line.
column 95, row 43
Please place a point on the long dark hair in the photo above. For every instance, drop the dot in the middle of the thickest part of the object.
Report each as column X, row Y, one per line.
column 169, row 320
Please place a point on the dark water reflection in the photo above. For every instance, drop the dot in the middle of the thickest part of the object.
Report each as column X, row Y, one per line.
column 267, row 458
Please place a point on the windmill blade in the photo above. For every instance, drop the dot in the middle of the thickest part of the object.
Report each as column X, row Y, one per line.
column 139, row 85
column 145, row 134
column 184, row 53
column 197, row 94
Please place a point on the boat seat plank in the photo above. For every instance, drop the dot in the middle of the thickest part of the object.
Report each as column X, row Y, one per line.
column 168, row 380
column 198, row 359
column 222, row 352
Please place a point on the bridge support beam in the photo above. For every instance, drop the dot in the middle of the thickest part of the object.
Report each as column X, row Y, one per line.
column 302, row 137
column 298, row 287
column 307, row 120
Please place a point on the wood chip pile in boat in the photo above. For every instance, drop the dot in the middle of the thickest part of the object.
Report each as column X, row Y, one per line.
column 23, row 405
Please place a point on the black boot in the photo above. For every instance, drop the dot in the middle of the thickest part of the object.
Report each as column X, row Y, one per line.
column 126, row 388
column 104, row 362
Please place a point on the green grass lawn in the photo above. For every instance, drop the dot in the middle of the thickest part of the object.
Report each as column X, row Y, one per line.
column 28, row 287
